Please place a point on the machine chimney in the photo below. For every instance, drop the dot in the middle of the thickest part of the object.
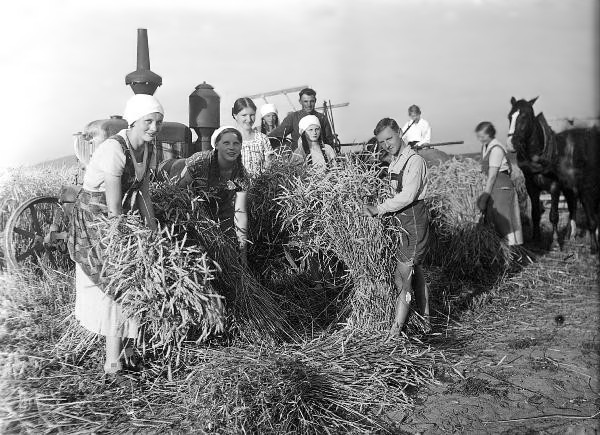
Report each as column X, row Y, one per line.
column 143, row 80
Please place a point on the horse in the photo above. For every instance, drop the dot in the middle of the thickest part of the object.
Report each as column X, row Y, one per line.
column 568, row 162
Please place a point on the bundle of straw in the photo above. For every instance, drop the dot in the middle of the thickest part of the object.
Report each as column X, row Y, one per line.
column 278, row 265
column 163, row 282
column 339, row 384
column 321, row 211
column 462, row 247
column 255, row 309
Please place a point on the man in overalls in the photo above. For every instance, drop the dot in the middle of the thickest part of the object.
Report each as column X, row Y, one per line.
column 407, row 174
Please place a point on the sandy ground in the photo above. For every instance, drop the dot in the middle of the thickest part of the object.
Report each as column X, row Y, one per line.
column 527, row 360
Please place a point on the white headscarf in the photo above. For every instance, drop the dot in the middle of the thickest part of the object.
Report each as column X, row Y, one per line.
column 213, row 138
column 265, row 109
column 140, row 105
column 307, row 121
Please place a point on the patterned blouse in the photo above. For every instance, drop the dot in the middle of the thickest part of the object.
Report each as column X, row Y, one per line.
column 204, row 169
column 255, row 153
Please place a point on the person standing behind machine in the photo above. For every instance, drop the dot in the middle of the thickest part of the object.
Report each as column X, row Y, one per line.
column 417, row 131
column 289, row 126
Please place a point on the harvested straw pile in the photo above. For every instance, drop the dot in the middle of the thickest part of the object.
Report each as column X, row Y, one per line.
column 255, row 309
column 339, row 384
column 164, row 283
column 336, row 384
column 461, row 247
column 278, row 265
column 320, row 210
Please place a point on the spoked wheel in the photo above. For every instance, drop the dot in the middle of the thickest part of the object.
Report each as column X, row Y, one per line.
column 28, row 240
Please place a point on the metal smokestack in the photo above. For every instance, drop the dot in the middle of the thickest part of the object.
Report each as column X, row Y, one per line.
column 142, row 80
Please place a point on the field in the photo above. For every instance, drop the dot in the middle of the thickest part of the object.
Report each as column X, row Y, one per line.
column 514, row 346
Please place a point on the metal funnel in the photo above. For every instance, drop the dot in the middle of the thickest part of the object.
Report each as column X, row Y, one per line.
column 143, row 80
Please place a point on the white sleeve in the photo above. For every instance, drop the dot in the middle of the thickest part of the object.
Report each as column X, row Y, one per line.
column 496, row 156
column 110, row 158
column 426, row 134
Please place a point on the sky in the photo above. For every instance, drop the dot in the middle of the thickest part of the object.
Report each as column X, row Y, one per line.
column 63, row 63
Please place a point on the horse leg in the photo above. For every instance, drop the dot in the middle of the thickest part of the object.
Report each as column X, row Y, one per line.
column 571, row 199
column 592, row 215
column 536, row 213
column 555, row 195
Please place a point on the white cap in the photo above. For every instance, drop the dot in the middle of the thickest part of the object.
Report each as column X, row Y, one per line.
column 265, row 109
column 213, row 138
column 307, row 121
column 140, row 105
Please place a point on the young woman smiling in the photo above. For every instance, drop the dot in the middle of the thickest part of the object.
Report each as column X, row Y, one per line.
column 256, row 147
column 116, row 180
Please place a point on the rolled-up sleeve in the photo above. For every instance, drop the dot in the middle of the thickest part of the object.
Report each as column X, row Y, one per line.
column 413, row 181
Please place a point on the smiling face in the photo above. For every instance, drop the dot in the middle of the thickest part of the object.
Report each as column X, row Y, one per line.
column 313, row 132
column 270, row 119
column 229, row 147
column 245, row 118
column 308, row 103
column 390, row 141
column 147, row 127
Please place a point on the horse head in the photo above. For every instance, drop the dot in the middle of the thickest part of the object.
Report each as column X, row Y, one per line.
column 521, row 121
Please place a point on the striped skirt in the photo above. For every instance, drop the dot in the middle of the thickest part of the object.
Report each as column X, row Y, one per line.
column 95, row 310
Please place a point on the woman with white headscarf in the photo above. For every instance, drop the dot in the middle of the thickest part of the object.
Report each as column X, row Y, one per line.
column 116, row 180
column 220, row 173
column 311, row 148
column 269, row 118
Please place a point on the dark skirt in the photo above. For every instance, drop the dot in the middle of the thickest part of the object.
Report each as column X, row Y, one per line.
column 84, row 238
column 503, row 210
column 415, row 237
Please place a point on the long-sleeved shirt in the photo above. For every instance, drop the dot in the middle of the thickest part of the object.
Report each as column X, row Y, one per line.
column 289, row 125
column 420, row 132
column 414, row 181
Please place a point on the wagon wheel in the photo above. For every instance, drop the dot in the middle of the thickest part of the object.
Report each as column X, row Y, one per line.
column 25, row 237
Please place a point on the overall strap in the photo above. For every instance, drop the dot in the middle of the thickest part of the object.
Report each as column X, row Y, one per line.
column 130, row 185
column 487, row 160
column 398, row 177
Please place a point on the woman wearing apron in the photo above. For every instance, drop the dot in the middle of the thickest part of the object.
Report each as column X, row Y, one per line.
column 498, row 202
column 116, row 180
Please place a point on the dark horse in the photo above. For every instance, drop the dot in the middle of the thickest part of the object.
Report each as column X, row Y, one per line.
column 568, row 162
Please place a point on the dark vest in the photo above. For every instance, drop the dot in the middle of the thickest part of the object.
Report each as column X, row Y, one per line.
column 130, row 186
